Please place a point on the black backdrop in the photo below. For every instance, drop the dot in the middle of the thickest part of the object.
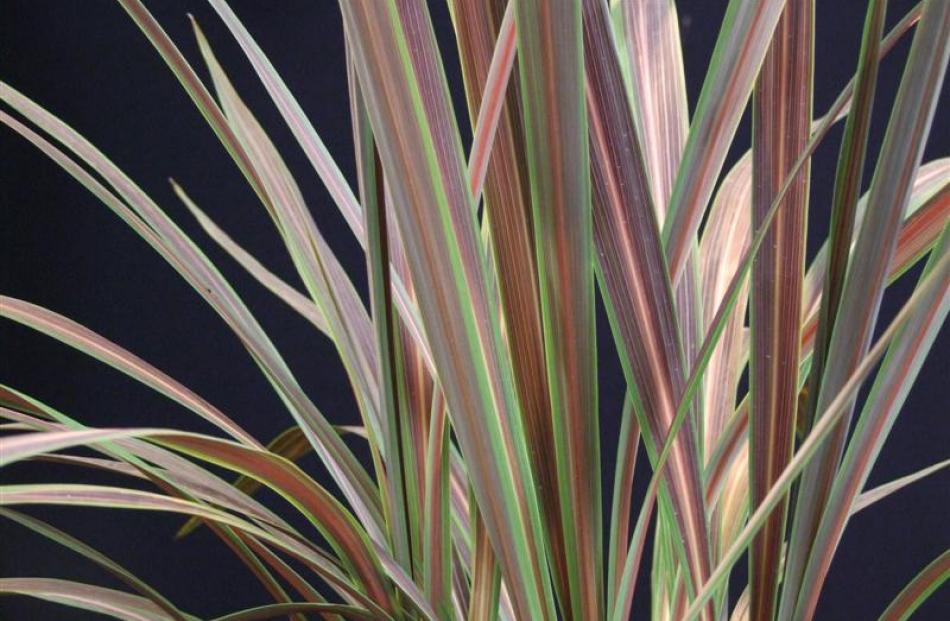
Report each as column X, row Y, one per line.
column 88, row 63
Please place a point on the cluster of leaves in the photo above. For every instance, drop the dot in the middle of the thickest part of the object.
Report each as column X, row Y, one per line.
column 475, row 367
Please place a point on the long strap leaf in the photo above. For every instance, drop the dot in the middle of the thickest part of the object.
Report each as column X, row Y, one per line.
column 552, row 81
column 633, row 276
column 744, row 37
column 818, row 435
column 894, row 379
column 88, row 342
column 890, row 190
column 847, row 189
column 508, row 214
column 83, row 549
column 109, row 602
column 919, row 589
column 148, row 220
column 781, row 124
column 397, row 61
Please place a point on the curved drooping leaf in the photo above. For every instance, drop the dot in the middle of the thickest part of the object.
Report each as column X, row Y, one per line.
column 96, row 557
column 109, row 602
column 919, row 589
column 147, row 219
column 92, row 344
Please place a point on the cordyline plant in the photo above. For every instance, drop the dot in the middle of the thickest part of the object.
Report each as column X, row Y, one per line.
column 475, row 367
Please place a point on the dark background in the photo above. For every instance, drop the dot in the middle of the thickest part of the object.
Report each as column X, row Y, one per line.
column 88, row 63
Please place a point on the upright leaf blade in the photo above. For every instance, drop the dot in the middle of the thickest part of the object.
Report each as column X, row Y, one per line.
column 507, row 207
column 847, row 189
column 396, row 60
column 890, row 190
column 555, row 118
column 781, row 124
column 634, row 279
column 743, row 40
column 894, row 379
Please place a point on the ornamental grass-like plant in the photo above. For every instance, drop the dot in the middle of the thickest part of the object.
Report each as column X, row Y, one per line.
column 475, row 365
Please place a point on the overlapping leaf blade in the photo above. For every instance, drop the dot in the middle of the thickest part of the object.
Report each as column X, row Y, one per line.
column 890, row 191
column 509, row 219
column 109, row 602
column 145, row 217
column 894, row 379
column 744, row 37
column 397, row 63
column 634, row 279
column 847, row 188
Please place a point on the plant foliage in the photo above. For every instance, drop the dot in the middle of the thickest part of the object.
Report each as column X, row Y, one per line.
column 475, row 365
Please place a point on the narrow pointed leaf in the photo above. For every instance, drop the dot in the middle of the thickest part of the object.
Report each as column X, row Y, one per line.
column 634, row 277
column 22, row 446
column 744, row 37
column 321, row 272
column 398, row 64
column 297, row 121
column 851, row 159
column 96, row 599
column 291, row 444
column 92, row 344
column 96, row 557
column 868, row 498
column 305, row 307
column 809, row 448
column 273, row 611
column 888, row 197
column 725, row 239
column 894, row 379
column 145, row 217
column 659, row 90
column 622, row 497
column 919, row 589
column 479, row 25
